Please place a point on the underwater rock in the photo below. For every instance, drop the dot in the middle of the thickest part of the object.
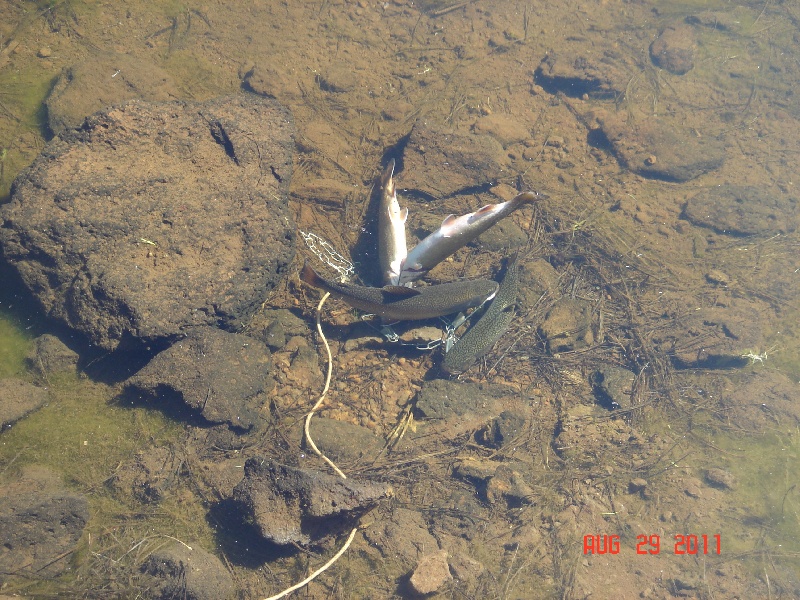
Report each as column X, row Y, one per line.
column 442, row 399
column 149, row 476
column 742, row 210
column 50, row 355
column 18, row 399
column 439, row 162
column 189, row 573
column 654, row 148
column 40, row 524
column 674, row 48
column 720, row 478
column 567, row 325
column 222, row 377
column 291, row 505
column 153, row 217
column 612, row 386
column 341, row 441
column 579, row 70
column 104, row 79
column 431, row 573
column 400, row 536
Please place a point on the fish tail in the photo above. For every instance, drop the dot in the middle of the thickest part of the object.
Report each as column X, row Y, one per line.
column 311, row 277
column 386, row 177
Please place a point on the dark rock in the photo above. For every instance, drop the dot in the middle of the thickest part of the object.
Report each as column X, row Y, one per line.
column 502, row 235
column 401, row 536
column 49, row 355
column 345, row 442
column 502, row 430
column 465, row 568
column 674, row 49
column 102, row 80
column 290, row 505
column 637, row 485
column 282, row 324
column 495, row 481
column 578, row 71
column 742, row 210
column 612, row 386
column 223, row 377
column 151, row 218
column 715, row 337
column 441, row 399
column 439, row 162
column 431, row 573
column 40, row 524
column 720, row 478
column 17, row 399
column 339, row 77
column 508, row 484
column 653, row 148
column 149, row 476
column 188, row 573
column 567, row 325
column 275, row 336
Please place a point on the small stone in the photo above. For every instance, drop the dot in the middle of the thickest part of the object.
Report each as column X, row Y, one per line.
column 637, row 485
column 431, row 573
column 44, row 52
column 720, row 478
column 692, row 490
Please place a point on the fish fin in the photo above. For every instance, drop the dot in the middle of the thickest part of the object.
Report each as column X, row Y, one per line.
column 404, row 215
column 310, row 276
column 484, row 209
column 399, row 291
column 448, row 223
column 448, row 220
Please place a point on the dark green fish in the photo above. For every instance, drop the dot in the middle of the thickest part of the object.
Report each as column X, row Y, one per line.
column 398, row 303
column 480, row 338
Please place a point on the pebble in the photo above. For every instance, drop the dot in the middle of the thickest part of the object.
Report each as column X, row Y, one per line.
column 44, row 52
column 720, row 478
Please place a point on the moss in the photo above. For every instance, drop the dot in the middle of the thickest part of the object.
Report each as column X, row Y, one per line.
column 14, row 345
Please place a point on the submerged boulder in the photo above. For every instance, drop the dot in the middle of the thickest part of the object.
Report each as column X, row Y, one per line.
column 153, row 217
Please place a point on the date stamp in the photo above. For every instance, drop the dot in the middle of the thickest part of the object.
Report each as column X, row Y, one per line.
column 689, row 544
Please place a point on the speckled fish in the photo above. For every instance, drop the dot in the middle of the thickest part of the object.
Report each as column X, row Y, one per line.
column 456, row 232
column 392, row 248
column 399, row 303
column 480, row 338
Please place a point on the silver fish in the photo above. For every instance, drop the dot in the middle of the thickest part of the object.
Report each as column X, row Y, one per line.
column 480, row 338
column 399, row 303
column 392, row 248
column 455, row 232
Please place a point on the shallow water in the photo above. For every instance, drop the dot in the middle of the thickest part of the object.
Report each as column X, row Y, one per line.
column 357, row 76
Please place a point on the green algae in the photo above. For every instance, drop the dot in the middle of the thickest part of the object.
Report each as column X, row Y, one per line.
column 14, row 345
column 86, row 437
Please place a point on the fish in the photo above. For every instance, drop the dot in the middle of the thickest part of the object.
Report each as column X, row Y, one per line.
column 398, row 303
column 392, row 249
column 456, row 232
column 480, row 338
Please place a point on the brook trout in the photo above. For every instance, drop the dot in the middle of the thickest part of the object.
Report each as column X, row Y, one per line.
column 399, row 303
column 456, row 232
column 480, row 338
column 392, row 248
